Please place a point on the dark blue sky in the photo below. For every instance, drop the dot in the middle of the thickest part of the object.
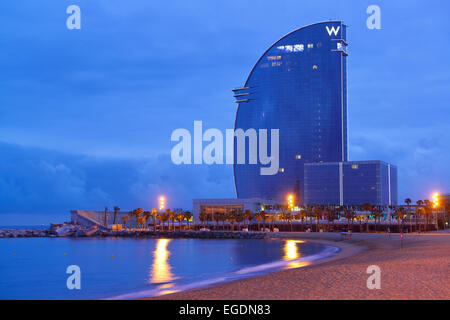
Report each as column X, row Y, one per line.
column 86, row 115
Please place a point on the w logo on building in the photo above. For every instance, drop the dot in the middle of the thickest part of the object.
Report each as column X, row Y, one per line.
column 333, row 30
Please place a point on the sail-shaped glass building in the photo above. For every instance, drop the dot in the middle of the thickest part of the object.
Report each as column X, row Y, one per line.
column 299, row 86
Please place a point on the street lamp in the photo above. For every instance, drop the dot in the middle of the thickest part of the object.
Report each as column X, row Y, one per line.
column 435, row 199
column 435, row 205
column 290, row 201
column 162, row 203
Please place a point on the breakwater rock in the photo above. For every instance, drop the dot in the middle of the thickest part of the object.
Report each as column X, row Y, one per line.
column 22, row 233
column 75, row 231
column 188, row 234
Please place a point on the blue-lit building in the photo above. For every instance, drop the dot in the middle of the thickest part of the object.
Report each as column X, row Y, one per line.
column 350, row 183
column 299, row 86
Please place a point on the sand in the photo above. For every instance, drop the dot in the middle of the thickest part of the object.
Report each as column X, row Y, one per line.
column 419, row 270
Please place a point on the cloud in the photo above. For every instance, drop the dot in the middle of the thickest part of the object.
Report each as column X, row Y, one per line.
column 420, row 156
column 86, row 116
column 37, row 180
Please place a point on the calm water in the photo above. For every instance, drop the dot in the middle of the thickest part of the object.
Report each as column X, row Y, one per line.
column 35, row 268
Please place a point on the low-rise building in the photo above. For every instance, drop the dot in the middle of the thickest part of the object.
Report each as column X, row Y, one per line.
column 211, row 206
column 350, row 183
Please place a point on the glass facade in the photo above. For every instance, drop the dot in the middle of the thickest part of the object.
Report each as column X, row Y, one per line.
column 351, row 183
column 299, row 86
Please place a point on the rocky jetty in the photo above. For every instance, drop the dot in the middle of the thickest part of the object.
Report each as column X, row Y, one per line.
column 73, row 230
column 22, row 233
column 189, row 234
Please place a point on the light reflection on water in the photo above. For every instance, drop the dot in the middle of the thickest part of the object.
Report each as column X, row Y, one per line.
column 161, row 269
column 35, row 268
column 291, row 252
column 160, row 272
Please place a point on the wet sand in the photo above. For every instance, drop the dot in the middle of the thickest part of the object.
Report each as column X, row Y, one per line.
column 419, row 270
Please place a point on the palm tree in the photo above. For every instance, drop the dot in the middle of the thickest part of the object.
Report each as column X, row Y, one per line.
column 360, row 218
column 188, row 217
column 171, row 217
column 239, row 219
column 419, row 203
column 116, row 209
column 334, row 215
column 216, row 218
column 317, row 212
column 147, row 215
column 349, row 215
column 125, row 220
column 155, row 214
column 428, row 212
column 420, row 211
column 231, row 216
column 304, row 214
column 203, row 216
column 298, row 215
column 180, row 217
column 141, row 222
column 247, row 215
column 272, row 218
column 137, row 213
column 258, row 217
column 377, row 213
column 288, row 216
column 250, row 218
column 209, row 218
column 163, row 218
column 328, row 214
column 309, row 214
column 367, row 207
column 399, row 214
column 408, row 202
column 264, row 218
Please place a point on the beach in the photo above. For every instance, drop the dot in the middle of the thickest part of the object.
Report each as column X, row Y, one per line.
column 416, row 267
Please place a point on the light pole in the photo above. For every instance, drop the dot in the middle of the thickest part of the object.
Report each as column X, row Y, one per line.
column 162, row 203
column 435, row 205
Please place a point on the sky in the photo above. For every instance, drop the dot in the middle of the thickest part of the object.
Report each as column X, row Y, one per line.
column 86, row 115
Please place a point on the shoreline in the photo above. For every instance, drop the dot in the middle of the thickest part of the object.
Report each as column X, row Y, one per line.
column 414, row 269
column 329, row 251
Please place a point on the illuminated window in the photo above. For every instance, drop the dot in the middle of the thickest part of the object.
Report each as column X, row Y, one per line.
column 273, row 58
column 281, row 170
column 299, row 47
column 310, row 46
column 354, row 166
column 298, row 157
column 314, row 67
